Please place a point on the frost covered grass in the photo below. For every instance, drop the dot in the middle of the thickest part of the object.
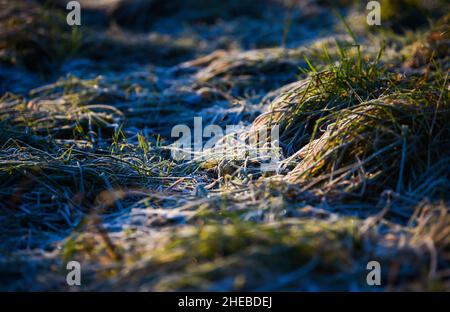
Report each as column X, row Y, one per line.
column 86, row 171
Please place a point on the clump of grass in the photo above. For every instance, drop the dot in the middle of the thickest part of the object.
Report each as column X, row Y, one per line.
column 66, row 183
column 93, row 110
column 63, row 118
column 64, row 156
column 293, row 254
column 385, row 144
column 246, row 255
column 358, row 124
column 262, row 69
column 338, row 86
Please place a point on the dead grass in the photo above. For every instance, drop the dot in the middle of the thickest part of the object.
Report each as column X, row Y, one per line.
column 86, row 170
